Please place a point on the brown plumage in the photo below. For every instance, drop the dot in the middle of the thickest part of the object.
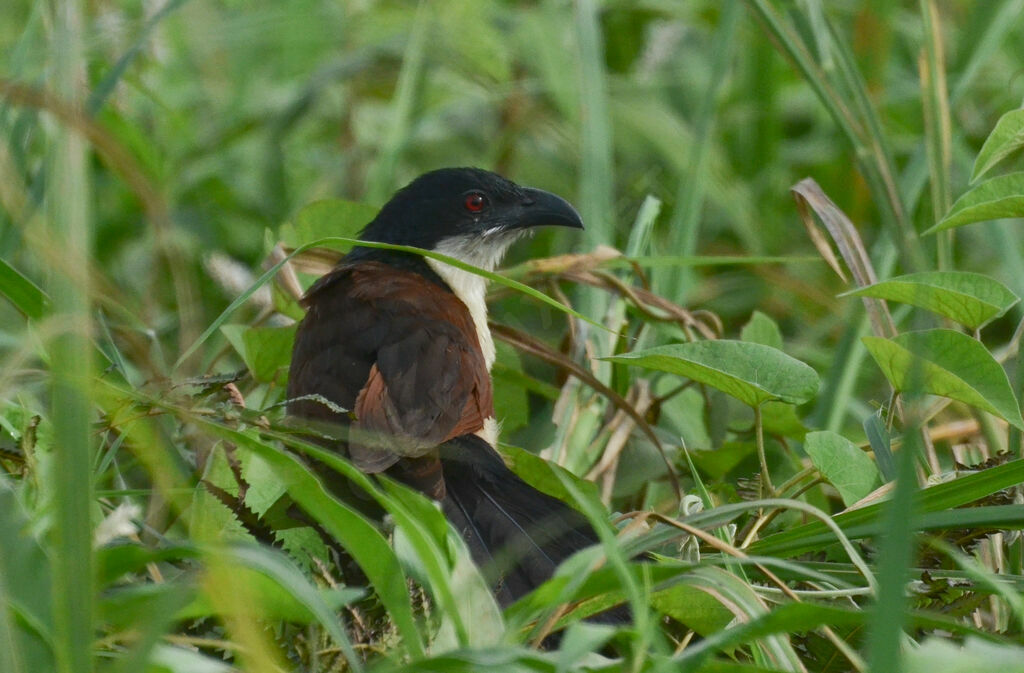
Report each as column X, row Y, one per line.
column 401, row 353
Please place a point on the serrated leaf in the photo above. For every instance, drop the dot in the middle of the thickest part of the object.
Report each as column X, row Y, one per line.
column 843, row 464
column 947, row 363
column 991, row 200
column 1006, row 137
column 971, row 299
column 761, row 329
column 752, row 373
column 345, row 524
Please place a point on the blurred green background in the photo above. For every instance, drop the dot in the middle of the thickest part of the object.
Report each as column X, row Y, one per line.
column 212, row 123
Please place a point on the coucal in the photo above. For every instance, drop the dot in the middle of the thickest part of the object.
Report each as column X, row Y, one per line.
column 400, row 341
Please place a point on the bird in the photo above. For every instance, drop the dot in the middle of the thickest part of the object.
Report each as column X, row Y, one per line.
column 399, row 345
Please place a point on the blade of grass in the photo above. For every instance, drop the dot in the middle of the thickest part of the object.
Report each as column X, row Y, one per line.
column 71, row 361
column 25, row 295
column 937, row 125
column 684, row 227
column 381, row 179
column 102, row 91
column 269, row 273
column 889, row 618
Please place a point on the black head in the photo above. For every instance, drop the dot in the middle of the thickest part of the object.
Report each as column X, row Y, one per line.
column 466, row 204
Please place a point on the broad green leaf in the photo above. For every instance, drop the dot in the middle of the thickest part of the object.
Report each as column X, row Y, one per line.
column 327, row 219
column 693, row 607
column 991, row 200
column 844, row 465
column 761, row 329
column 22, row 293
column 752, row 373
column 511, row 406
column 1006, row 138
column 739, row 597
column 26, row 615
column 267, row 351
column 971, row 299
column 780, row 419
column 947, row 363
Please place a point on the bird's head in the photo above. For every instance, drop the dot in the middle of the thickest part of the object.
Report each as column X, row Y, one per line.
column 467, row 213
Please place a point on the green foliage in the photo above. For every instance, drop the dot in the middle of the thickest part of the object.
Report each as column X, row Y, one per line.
column 162, row 168
column 971, row 299
column 750, row 372
column 991, row 200
column 948, row 363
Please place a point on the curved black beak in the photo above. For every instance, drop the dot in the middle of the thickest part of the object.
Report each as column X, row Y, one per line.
column 540, row 208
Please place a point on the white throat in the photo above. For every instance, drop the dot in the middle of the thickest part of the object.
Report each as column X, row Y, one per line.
column 486, row 252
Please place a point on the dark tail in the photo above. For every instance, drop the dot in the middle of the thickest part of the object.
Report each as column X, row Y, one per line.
column 516, row 534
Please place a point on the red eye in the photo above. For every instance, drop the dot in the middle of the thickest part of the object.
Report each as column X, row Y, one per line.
column 475, row 202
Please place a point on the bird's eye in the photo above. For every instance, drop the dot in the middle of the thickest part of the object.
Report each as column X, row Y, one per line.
column 475, row 202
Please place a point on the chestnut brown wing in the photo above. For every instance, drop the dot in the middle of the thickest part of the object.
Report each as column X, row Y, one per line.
column 400, row 353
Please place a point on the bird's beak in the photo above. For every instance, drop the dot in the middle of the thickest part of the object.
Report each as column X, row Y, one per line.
column 540, row 208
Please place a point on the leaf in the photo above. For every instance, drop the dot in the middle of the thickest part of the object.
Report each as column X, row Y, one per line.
column 844, row 465
column 326, row 219
column 26, row 616
column 780, row 419
column 752, row 373
column 1006, row 138
column 972, row 299
column 761, row 329
column 881, row 444
column 267, row 351
column 25, row 295
column 947, row 363
column 991, row 200
column 693, row 607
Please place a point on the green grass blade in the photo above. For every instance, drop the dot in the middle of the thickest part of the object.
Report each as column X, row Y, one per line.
column 931, row 502
column 71, row 362
column 684, row 226
column 885, row 628
column 380, row 182
column 272, row 271
column 25, row 295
